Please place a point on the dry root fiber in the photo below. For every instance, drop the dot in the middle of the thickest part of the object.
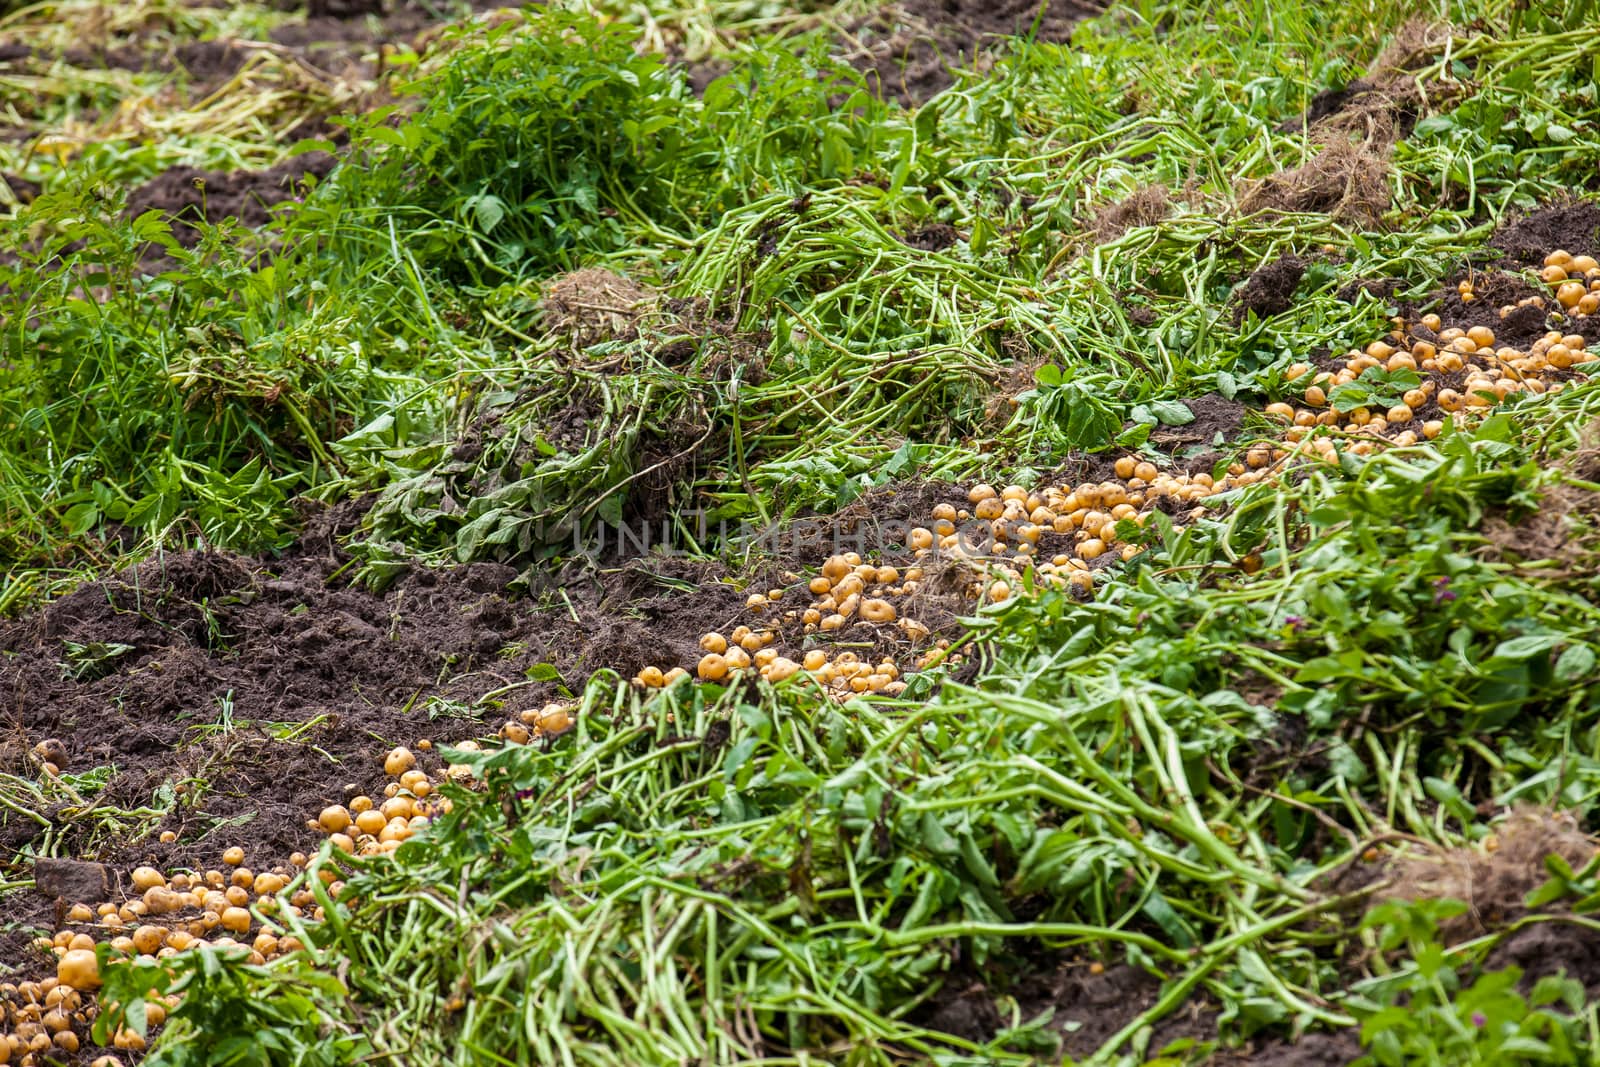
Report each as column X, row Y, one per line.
column 1562, row 537
column 1346, row 179
column 1355, row 128
column 1146, row 207
column 595, row 305
column 1493, row 878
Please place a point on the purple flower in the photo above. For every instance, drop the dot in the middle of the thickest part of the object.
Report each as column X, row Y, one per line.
column 1442, row 594
column 1293, row 622
column 1479, row 1018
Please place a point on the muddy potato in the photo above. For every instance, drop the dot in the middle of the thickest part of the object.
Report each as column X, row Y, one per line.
column 334, row 819
column 51, row 751
column 144, row 878
column 877, row 610
column 555, row 719
column 781, row 668
column 79, row 969
column 399, row 760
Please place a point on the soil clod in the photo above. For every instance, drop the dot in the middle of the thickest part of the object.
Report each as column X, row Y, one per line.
column 1270, row 289
column 74, row 881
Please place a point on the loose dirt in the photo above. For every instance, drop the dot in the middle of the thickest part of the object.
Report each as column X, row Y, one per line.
column 1561, row 537
column 1270, row 289
column 1491, row 292
column 1573, row 227
column 243, row 694
column 1345, row 179
column 910, row 48
column 228, row 658
column 935, row 237
column 1352, row 131
column 1551, row 948
column 593, row 305
column 1089, row 1004
column 189, row 195
column 1312, row 1050
column 1195, row 446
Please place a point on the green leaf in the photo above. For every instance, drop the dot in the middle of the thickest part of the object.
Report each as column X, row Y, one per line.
column 1172, row 412
column 936, row 839
column 1575, row 664
column 487, row 212
column 1346, row 398
column 1527, row 1046
column 1521, row 648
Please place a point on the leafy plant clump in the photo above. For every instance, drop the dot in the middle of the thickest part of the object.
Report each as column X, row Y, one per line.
column 547, row 144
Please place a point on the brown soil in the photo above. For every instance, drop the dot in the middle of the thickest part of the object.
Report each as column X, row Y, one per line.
column 1325, row 103
column 935, row 237
column 1573, row 227
column 348, row 37
column 1270, row 289
column 1491, row 292
column 1389, row 103
column 209, row 63
column 270, row 688
column 1384, row 289
column 911, row 47
column 227, row 651
column 1353, row 129
column 1562, row 535
column 106, row 57
column 26, row 916
column 338, row 42
column 339, row 37
column 23, row 190
column 1385, row 102
column 189, row 195
column 1317, row 1049
column 1100, row 1005
column 1088, row 1009
column 1195, row 445
column 343, row 9
column 1551, row 948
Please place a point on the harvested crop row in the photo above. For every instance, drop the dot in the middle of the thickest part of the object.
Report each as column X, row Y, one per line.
column 1016, row 541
